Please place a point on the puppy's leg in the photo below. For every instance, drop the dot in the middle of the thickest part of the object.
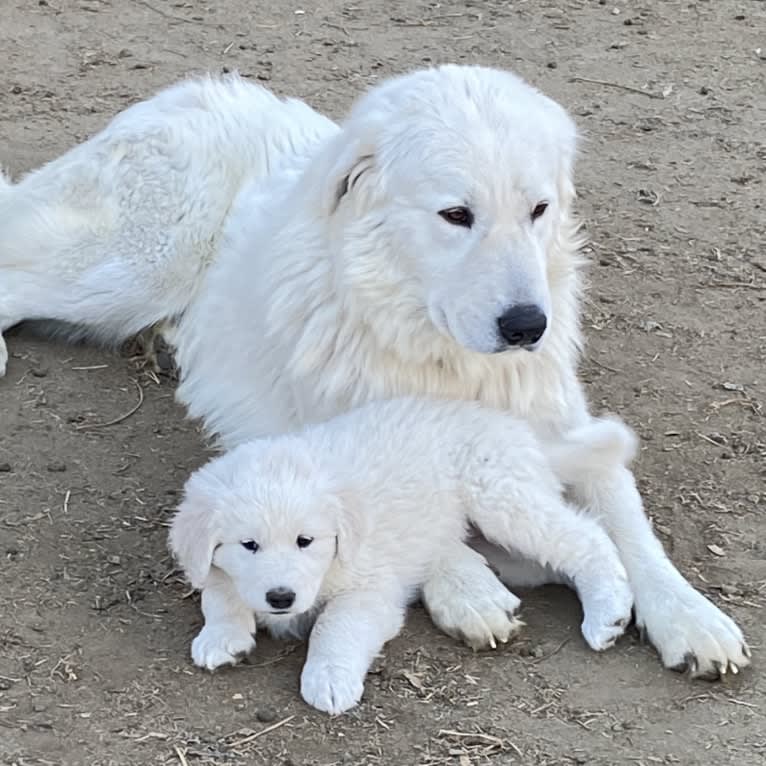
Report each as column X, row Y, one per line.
column 535, row 522
column 348, row 633
column 467, row 601
column 689, row 632
column 228, row 633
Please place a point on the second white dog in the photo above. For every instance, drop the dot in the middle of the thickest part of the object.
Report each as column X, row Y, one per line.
column 334, row 529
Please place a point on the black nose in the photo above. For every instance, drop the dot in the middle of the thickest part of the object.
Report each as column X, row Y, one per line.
column 280, row 598
column 522, row 325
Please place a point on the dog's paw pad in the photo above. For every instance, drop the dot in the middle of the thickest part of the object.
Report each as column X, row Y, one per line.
column 331, row 688
column 219, row 645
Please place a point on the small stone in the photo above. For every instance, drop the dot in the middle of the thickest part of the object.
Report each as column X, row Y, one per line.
column 113, row 559
column 704, row 90
column 552, row 65
column 40, row 372
column 266, row 715
column 729, row 590
column 5, row 468
column 56, row 466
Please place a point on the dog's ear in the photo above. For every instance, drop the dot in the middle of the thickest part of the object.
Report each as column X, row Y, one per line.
column 352, row 173
column 194, row 535
column 351, row 524
column 567, row 155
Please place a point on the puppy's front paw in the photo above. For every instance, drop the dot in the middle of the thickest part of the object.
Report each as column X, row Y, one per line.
column 689, row 631
column 222, row 644
column 479, row 612
column 607, row 614
column 330, row 687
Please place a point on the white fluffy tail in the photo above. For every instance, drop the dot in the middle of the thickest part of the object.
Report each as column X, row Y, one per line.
column 589, row 451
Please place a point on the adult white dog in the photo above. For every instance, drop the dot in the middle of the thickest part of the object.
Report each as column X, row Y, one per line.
column 326, row 532
column 427, row 246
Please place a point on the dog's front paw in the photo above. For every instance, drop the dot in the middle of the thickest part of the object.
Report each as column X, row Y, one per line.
column 330, row 687
column 480, row 611
column 222, row 644
column 690, row 632
column 607, row 614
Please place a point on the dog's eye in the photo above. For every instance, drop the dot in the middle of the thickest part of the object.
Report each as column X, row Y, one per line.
column 538, row 210
column 303, row 541
column 249, row 545
column 458, row 216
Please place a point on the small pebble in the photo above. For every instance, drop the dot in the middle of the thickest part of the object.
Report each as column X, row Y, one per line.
column 5, row 468
column 266, row 715
column 552, row 65
column 56, row 467
column 40, row 372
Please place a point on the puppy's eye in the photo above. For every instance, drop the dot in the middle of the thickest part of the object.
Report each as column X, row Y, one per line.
column 303, row 541
column 458, row 216
column 538, row 210
column 249, row 545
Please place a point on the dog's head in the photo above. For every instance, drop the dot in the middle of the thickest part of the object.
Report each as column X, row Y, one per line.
column 466, row 175
column 269, row 517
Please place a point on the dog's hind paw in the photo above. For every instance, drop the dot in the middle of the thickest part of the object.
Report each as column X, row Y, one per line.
column 217, row 645
column 478, row 610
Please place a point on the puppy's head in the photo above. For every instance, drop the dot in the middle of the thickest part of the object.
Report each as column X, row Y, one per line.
column 269, row 517
column 466, row 174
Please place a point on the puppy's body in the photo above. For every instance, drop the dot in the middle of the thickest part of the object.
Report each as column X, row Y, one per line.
column 382, row 506
column 379, row 259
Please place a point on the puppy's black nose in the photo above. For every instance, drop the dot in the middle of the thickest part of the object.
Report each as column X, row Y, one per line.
column 522, row 325
column 280, row 598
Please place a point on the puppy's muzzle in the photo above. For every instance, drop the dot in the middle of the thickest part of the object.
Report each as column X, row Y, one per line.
column 522, row 326
column 280, row 598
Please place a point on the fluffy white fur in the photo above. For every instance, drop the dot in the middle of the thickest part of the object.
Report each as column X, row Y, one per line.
column 351, row 528
column 334, row 281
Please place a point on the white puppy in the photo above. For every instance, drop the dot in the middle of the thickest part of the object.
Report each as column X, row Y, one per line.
column 344, row 522
column 427, row 246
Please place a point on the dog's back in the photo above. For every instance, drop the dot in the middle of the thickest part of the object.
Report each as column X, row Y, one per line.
column 116, row 234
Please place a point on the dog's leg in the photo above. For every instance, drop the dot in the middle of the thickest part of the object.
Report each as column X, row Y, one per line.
column 536, row 523
column 348, row 633
column 688, row 630
column 467, row 601
column 228, row 633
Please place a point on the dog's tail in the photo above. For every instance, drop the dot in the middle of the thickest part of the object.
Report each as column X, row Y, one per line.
column 591, row 450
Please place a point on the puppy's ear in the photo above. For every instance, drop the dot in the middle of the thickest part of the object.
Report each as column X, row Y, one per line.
column 351, row 524
column 353, row 174
column 194, row 535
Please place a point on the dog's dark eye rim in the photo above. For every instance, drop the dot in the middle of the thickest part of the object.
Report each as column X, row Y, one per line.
column 458, row 216
column 249, row 545
column 539, row 209
column 303, row 541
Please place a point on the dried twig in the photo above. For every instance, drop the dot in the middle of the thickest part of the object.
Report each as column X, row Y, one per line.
column 181, row 755
column 620, row 86
column 121, row 418
column 255, row 735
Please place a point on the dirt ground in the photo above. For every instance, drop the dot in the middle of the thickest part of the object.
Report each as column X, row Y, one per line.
column 96, row 623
